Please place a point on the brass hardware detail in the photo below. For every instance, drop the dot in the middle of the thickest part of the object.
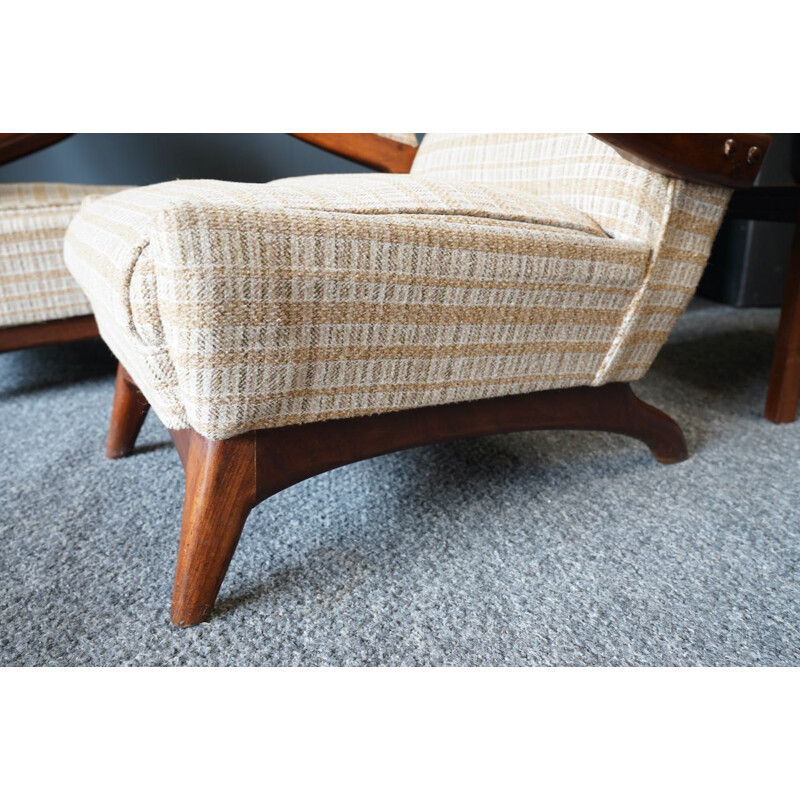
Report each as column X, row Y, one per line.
column 729, row 147
column 753, row 155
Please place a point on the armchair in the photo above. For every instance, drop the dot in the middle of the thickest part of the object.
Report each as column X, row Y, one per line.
column 40, row 303
column 508, row 282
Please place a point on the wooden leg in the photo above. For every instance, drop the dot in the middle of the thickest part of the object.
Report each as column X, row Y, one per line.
column 226, row 479
column 784, row 379
column 127, row 416
column 220, row 491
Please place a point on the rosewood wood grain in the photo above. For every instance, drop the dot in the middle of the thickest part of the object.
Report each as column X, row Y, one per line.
column 128, row 414
column 784, row 380
column 368, row 149
column 727, row 159
column 17, row 145
column 36, row 334
column 226, row 479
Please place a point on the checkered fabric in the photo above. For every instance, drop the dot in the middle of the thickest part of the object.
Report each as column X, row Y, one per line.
column 240, row 306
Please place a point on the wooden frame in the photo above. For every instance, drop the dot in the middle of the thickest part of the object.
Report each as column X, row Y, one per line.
column 724, row 159
column 369, row 149
column 73, row 329
column 226, row 479
column 17, row 145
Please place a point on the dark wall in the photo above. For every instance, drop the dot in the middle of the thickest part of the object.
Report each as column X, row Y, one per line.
column 128, row 158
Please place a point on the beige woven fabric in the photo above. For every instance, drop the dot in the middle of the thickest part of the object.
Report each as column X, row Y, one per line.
column 676, row 219
column 403, row 138
column 243, row 306
column 691, row 220
column 35, row 285
column 503, row 264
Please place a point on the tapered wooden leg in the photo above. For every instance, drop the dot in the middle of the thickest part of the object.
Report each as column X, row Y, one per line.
column 784, row 379
column 127, row 416
column 220, row 491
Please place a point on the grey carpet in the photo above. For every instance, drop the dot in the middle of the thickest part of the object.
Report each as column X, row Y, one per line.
column 547, row 548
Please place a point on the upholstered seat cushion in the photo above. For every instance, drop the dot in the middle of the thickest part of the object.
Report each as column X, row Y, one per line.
column 243, row 306
column 35, row 285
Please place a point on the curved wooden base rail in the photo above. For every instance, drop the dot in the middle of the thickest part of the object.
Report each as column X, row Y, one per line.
column 226, row 479
column 37, row 334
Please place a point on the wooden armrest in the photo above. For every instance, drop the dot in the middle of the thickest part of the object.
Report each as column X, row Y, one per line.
column 16, row 145
column 726, row 159
column 368, row 149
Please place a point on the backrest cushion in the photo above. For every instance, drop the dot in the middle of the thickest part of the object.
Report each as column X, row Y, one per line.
column 678, row 220
column 570, row 168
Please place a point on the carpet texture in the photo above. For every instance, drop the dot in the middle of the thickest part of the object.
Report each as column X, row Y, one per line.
column 543, row 548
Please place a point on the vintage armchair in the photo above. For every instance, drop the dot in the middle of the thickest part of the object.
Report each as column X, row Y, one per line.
column 40, row 303
column 507, row 282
